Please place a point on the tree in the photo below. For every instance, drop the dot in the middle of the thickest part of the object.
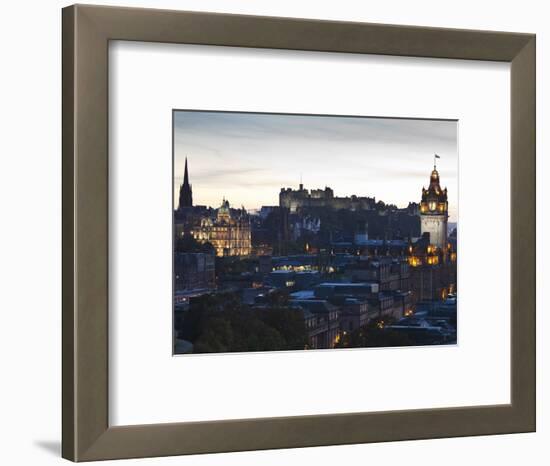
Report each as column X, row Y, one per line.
column 221, row 323
column 217, row 337
column 187, row 243
column 289, row 323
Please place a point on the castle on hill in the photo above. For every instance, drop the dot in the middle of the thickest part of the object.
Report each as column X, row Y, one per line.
column 321, row 198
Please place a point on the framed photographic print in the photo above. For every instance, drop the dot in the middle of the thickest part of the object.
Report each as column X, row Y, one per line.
column 284, row 233
column 292, row 268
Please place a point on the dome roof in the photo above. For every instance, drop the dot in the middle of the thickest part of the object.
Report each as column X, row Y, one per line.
column 224, row 211
column 434, row 191
column 225, row 206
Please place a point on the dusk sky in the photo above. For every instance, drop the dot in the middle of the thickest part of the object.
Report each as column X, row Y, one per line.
column 248, row 157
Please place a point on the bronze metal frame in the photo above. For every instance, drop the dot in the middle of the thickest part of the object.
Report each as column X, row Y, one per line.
column 86, row 33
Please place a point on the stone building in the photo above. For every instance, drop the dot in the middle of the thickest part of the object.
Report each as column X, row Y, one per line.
column 434, row 211
column 433, row 257
column 303, row 225
column 194, row 271
column 433, row 270
column 322, row 322
column 354, row 313
column 296, row 199
column 228, row 230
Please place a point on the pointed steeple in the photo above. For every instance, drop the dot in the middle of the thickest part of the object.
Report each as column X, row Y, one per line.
column 434, row 180
column 186, row 174
column 186, row 191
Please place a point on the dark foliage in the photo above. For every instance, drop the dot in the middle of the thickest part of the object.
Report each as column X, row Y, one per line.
column 220, row 323
column 189, row 244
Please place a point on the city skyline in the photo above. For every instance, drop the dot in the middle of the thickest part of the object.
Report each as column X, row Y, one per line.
column 248, row 157
column 324, row 266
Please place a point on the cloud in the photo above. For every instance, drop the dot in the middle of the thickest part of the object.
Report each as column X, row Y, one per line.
column 252, row 155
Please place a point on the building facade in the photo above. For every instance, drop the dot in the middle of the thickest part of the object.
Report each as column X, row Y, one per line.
column 228, row 230
column 434, row 211
column 194, row 271
column 296, row 199
column 433, row 257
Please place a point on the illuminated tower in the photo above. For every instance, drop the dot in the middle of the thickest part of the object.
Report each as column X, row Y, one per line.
column 434, row 211
column 186, row 192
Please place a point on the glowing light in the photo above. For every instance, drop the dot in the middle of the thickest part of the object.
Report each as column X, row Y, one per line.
column 414, row 261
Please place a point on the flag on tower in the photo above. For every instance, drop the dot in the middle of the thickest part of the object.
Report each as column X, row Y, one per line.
column 437, row 156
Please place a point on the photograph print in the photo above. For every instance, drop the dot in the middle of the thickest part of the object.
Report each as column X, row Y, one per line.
column 307, row 232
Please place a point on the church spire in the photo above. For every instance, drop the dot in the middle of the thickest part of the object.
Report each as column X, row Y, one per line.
column 186, row 174
column 186, row 191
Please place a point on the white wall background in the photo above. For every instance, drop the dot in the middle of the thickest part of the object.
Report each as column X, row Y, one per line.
column 30, row 233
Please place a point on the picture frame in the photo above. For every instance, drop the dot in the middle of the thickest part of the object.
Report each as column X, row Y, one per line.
column 87, row 30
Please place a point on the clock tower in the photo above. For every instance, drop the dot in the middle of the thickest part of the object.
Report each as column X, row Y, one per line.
column 434, row 211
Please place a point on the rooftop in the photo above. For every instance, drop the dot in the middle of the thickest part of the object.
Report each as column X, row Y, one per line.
column 346, row 284
column 305, row 294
